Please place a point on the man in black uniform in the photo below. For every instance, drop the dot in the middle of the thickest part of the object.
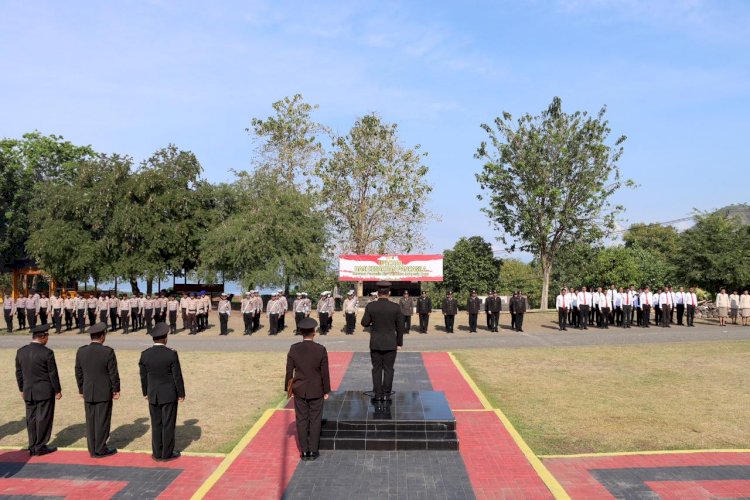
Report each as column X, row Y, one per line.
column 98, row 384
column 39, row 384
column 493, row 305
column 307, row 371
column 424, row 308
column 473, row 306
column 163, row 387
column 450, row 309
column 386, row 324
column 519, row 307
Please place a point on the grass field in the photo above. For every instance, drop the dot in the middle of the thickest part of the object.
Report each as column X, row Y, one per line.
column 625, row 398
column 226, row 393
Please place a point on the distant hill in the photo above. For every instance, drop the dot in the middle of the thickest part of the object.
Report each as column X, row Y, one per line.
column 741, row 211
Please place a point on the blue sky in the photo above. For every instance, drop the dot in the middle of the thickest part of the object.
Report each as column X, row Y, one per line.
column 130, row 77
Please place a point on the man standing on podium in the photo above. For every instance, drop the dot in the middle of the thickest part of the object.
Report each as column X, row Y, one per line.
column 386, row 322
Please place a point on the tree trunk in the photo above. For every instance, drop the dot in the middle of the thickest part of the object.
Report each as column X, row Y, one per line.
column 286, row 285
column 546, row 272
column 134, row 285
column 149, row 286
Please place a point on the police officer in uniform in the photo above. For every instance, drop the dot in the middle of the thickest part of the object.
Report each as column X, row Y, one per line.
column 407, row 309
column 98, row 384
column 450, row 309
column 493, row 305
column 473, row 306
column 163, row 388
column 424, row 308
column 386, row 324
column 39, row 384
column 307, row 372
column 350, row 306
column 9, row 310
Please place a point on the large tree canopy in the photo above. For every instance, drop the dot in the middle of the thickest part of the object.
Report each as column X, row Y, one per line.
column 549, row 179
column 470, row 264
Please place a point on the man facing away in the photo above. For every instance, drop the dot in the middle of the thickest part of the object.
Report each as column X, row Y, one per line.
column 386, row 324
column 307, row 371
column 39, row 384
column 98, row 382
column 163, row 388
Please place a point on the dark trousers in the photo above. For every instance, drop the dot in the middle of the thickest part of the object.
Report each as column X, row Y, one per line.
column 473, row 322
column 8, row 319
column 494, row 320
column 256, row 321
column 449, row 318
column 666, row 314
column 639, row 316
column 92, row 316
column 163, row 422
column 112, row 319
column 103, row 316
column 690, row 314
column 424, row 322
column 512, row 321
column 31, row 317
column 680, row 313
column 273, row 324
column 149, row 317
column 657, row 315
column 223, row 321
column 247, row 318
column 281, row 324
column 627, row 313
column 134, row 319
column 382, row 372
column 39, row 418
column 562, row 318
column 81, row 318
column 519, row 322
column 309, row 415
column 191, row 323
column 351, row 321
column 407, row 323
column 173, row 321
column 646, row 315
column 618, row 316
column 21, row 318
column 125, row 321
column 584, row 312
column 57, row 320
column 68, row 319
column 605, row 320
column 185, row 324
column 323, row 320
column 575, row 318
column 43, row 316
column 98, row 422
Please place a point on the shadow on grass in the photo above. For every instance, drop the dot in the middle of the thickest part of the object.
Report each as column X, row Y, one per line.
column 69, row 435
column 126, row 434
column 187, row 433
column 10, row 428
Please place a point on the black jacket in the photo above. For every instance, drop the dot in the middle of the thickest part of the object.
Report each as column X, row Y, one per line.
column 406, row 305
column 387, row 325
column 450, row 306
column 424, row 305
column 493, row 304
column 473, row 305
column 36, row 372
column 307, row 363
column 518, row 305
column 96, row 372
column 161, row 376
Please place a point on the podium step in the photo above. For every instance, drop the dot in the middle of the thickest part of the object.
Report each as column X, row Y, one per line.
column 415, row 420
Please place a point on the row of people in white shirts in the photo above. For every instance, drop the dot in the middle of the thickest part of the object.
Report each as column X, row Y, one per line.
column 618, row 298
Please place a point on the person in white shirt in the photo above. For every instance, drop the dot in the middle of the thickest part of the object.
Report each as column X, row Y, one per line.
column 225, row 310
column 596, row 308
column 9, row 309
column 665, row 305
column 79, row 305
column 173, row 306
column 102, row 308
column 618, row 307
column 57, row 304
column 679, row 302
column 646, row 301
column 672, row 305
column 584, row 308
column 247, row 309
column 43, row 308
column 274, row 309
column 562, row 304
column 722, row 304
column 573, row 316
column 124, row 307
column 91, row 309
column 734, row 306
column 745, row 307
column 691, row 304
column 350, row 306
column 605, row 302
column 611, row 293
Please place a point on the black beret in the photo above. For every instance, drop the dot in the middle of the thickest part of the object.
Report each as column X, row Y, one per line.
column 160, row 330
column 39, row 329
column 98, row 328
column 307, row 324
column 383, row 284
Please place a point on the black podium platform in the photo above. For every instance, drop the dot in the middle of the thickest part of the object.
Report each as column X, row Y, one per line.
column 418, row 420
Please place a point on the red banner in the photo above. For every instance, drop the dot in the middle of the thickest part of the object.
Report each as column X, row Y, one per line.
column 391, row 267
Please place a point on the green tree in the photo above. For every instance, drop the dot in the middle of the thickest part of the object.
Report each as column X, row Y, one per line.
column 374, row 190
column 470, row 265
column 660, row 239
column 517, row 275
column 287, row 142
column 273, row 235
column 716, row 252
column 24, row 163
column 549, row 179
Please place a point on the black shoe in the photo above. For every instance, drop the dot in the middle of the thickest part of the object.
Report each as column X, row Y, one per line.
column 305, row 455
column 45, row 451
column 107, row 453
column 314, row 455
column 173, row 456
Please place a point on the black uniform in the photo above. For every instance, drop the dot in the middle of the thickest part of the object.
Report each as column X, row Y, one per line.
column 450, row 309
column 493, row 306
column 424, row 308
column 386, row 324
column 36, row 374
column 98, row 378
column 161, row 381
column 407, row 307
column 473, row 306
column 519, row 306
column 307, row 366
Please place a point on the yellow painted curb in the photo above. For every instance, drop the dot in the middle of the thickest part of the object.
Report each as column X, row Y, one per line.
column 122, row 450
column 549, row 480
column 649, row 452
column 229, row 459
